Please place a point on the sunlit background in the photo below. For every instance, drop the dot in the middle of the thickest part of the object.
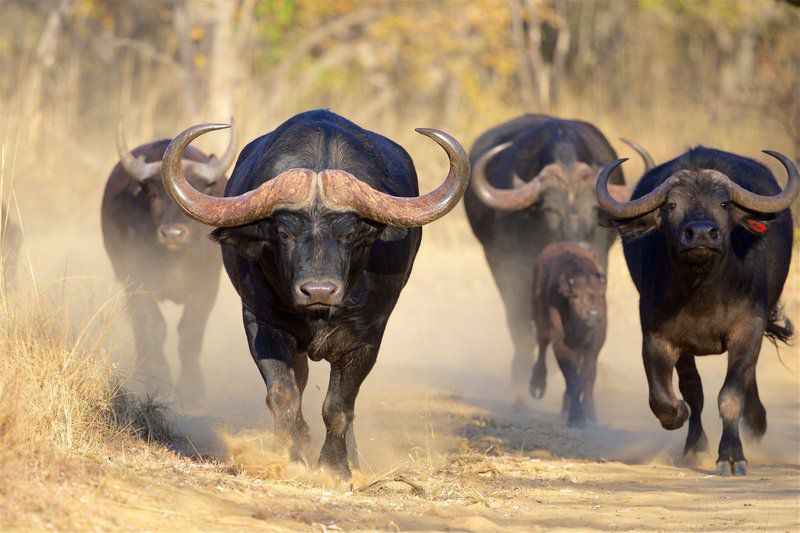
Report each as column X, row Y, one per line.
column 667, row 73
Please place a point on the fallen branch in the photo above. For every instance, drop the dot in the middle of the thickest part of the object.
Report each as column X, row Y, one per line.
column 415, row 488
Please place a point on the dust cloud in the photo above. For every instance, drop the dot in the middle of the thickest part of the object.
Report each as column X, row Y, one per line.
column 446, row 348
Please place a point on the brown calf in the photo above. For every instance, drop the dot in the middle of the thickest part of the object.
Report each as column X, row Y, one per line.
column 569, row 311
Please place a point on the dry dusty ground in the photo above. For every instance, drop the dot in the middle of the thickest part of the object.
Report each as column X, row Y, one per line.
column 441, row 446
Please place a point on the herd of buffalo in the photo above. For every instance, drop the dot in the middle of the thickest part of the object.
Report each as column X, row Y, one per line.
column 320, row 222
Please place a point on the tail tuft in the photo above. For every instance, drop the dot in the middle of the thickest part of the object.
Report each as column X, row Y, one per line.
column 777, row 332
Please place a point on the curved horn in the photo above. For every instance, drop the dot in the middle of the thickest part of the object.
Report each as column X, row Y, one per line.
column 288, row 188
column 135, row 167
column 646, row 157
column 770, row 204
column 215, row 168
column 503, row 199
column 342, row 189
column 627, row 209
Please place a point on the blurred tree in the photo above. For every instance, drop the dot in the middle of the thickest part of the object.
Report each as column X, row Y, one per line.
column 183, row 32
column 45, row 56
column 463, row 65
column 224, row 64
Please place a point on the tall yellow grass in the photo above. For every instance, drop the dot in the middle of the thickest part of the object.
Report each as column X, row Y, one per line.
column 62, row 400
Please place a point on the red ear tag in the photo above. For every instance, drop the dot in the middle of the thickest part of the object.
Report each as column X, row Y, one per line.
column 756, row 226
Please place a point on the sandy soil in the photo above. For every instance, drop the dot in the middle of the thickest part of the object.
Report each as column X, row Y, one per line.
column 441, row 446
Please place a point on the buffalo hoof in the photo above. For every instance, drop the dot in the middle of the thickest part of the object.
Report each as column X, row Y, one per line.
column 519, row 405
column 340, row 472
column 296, row 454
column 677, row 421
column 576, row 422
column 156, row 377
column 699, row 445
column 736, row 468
column 191, row 386
column 538, row 384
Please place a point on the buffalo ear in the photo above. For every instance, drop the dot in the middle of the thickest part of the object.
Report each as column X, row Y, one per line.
column 633, row 228
column 563, row 285
column 244, row 240
column 755, row 223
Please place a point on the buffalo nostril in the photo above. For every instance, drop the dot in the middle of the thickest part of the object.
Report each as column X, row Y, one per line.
column 319, row 291
column 173, row 232
column 701, row 232
column 311, row 287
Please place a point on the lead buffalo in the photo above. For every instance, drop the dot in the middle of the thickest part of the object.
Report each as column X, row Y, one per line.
column 319, row 230
column 160, row 254
column 532, row 186
column 708, row 239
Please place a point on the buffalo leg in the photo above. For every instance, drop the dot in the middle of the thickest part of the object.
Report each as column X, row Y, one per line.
column 273, row 354
column 692, row 391
column 538, row 383
column 660, row 358
column 514, row 280
column 588, row 376
column 565, row 403
column 522, row 335
column 191, row 330
column 755, row 415
column 742, row 357
column 568, row 361
column 338, row 410
column 352, row 447
column 301, row 377
column 149, row 333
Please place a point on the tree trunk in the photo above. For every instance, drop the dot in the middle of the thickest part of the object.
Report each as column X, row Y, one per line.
column 45, row 57
column 224, row 64
column 563, row 41
column 283, row 86
column 527, row 93
column 183, row 30
column 541, row 69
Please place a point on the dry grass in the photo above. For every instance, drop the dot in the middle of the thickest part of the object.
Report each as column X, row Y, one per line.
column 62, row 403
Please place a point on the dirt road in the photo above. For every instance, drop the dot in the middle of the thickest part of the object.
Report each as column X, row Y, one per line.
column 441, row 446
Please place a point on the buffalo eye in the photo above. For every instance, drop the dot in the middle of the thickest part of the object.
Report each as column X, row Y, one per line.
column 284, row 236
column 726, row 204
column 671, row 206
column 348, row 237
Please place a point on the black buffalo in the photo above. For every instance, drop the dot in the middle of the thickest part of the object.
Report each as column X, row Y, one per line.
column 159, row 254
column 708, row 239
column 532, row 186
column 319, row 230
